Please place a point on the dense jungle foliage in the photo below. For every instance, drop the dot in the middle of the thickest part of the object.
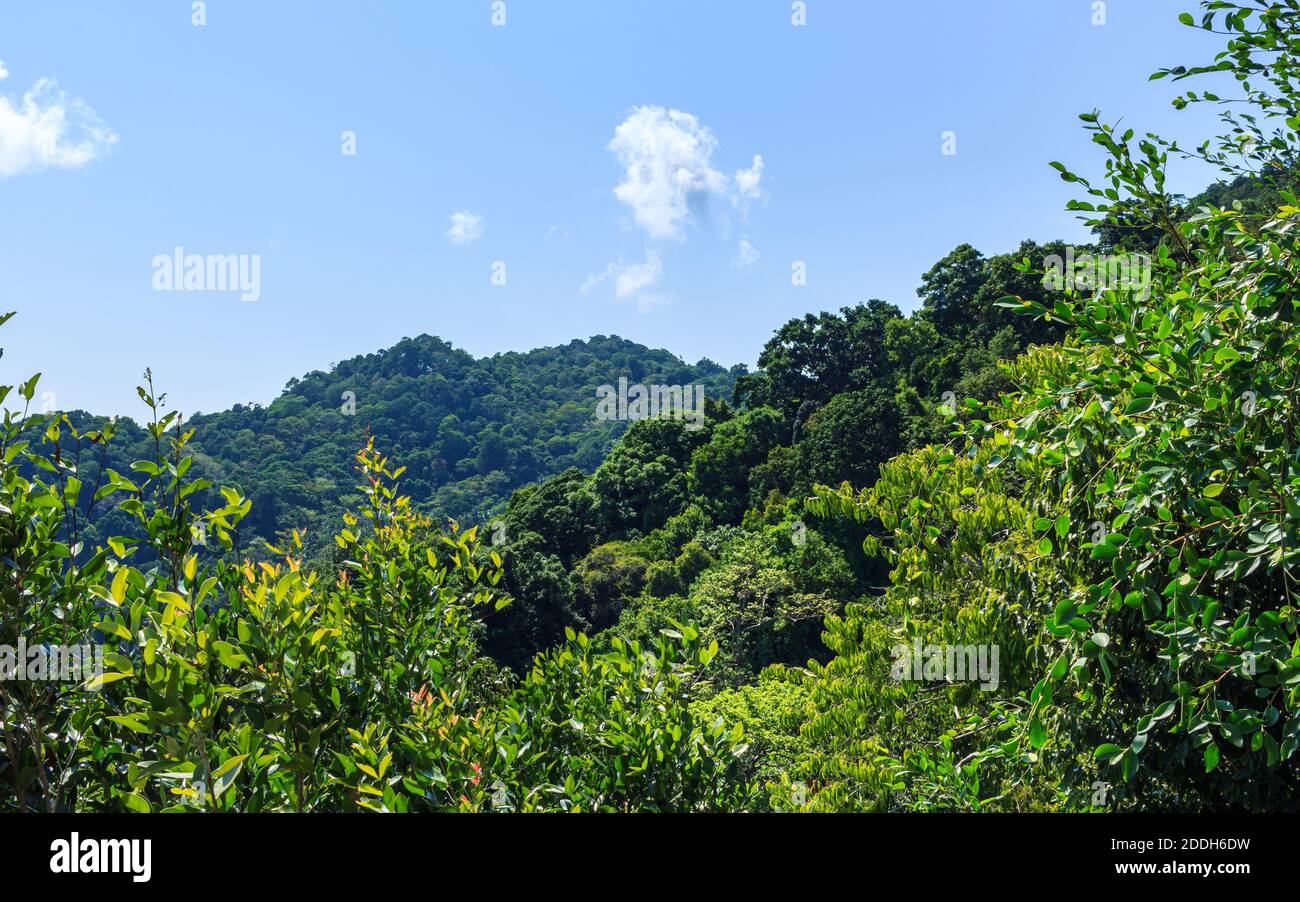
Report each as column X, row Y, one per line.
column 1101, row 482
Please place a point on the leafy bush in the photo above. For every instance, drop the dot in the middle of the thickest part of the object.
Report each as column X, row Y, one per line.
column 1126, row 526
column 239, row 686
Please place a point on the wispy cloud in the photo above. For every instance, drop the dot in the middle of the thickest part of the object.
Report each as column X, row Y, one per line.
column 746, row 255
column 629, row 279
column 749, row 181
column 466, row 227
column 46, row 129
column 648, row 301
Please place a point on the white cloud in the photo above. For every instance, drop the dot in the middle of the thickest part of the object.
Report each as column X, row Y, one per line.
column 746, row 255
column 667, row 158
column 668, row 176
column 466, row 227
column 748, row 181
column 4, row 73
column 47, row 128
column 647, row 302
column 630, row 279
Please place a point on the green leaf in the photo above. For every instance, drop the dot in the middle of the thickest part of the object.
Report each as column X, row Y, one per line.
column 1103, row 552
column 1110, row 751
column 28, row 388
column 114, row 628
column 225, row 775
column 95, row 683
column 1129, row 765
column 118, row 587
column 229, row 655
column 1211, row 757
column 135, row 802
column 130, row 721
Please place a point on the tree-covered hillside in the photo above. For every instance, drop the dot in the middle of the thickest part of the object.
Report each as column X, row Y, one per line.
column 468, row 430
column 708, row 527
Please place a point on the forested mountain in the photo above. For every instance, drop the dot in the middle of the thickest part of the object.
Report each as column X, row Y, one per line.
column 1092, row 489
column 468, row 430
column 705, row 526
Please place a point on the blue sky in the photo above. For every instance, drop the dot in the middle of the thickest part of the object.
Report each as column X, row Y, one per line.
column 605, row 152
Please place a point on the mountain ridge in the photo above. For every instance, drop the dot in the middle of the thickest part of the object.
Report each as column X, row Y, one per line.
column 470, row 430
